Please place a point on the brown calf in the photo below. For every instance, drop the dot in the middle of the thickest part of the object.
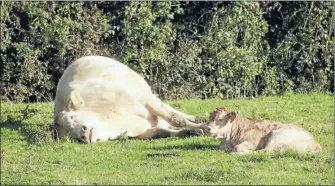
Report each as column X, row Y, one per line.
column 243, row 135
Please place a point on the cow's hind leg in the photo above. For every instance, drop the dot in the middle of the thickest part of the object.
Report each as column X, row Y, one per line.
column 188, row 132
column 174, row 118
column 274, row 142
column 163, row 130
column 194, row 119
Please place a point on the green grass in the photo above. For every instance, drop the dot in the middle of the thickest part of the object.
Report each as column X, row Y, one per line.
column 30, row 158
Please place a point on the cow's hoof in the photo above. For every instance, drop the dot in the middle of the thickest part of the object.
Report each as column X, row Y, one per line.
column 195, row 132
column 200, row 120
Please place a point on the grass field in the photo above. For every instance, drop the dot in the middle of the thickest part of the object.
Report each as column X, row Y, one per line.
column 29, row 158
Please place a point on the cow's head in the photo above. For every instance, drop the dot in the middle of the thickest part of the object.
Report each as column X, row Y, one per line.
column 75, row 121
column 218, row 119
column 63, row 124
column 80, row 124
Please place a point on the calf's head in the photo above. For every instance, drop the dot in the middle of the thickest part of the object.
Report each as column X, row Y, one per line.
column 219, row 121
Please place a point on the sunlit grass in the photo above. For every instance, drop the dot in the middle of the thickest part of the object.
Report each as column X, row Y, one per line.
column 30, row 158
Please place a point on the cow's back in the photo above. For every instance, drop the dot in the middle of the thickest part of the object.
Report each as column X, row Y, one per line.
column 97, row 67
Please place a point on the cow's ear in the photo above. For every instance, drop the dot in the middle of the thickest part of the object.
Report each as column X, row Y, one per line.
column 232, row 116
column 212, row 116
column 223, row 110
column 220, row 113
column 76, row 101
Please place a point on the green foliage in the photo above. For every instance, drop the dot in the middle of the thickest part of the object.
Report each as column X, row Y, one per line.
column 170, row 161
column 183, row 49
column 301, row 39
column 37, row 135
column 234, row 50
column 40, row 39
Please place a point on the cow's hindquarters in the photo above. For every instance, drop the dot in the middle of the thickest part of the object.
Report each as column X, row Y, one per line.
column 290, row 138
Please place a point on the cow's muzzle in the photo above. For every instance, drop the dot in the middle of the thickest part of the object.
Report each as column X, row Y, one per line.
column 87, row 134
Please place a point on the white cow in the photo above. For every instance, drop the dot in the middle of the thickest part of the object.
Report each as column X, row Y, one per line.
column 99, row 98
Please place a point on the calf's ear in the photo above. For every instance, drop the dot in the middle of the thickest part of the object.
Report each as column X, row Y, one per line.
column 232, row 116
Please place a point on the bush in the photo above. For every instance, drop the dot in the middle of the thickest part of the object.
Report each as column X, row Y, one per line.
column 183, row 49
column 40, row 39
column 300, row 38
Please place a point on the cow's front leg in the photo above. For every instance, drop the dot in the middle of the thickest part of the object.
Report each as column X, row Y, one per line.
column 156, row 132
column 226, row 146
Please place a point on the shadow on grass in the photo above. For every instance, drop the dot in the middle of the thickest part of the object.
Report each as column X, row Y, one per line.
column 38, row 134
column 15, row 123
column 187, row 147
